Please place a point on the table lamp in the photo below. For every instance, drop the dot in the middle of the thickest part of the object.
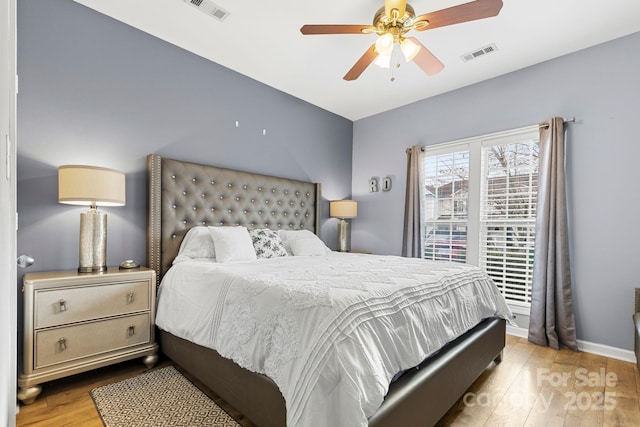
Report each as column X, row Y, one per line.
column 91, row 186
column 343, row 209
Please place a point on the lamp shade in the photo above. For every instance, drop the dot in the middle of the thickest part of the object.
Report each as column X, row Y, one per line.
column 343, row 209
column 90, row 186
column 384, row 44
column 383, row 61
column 409, row 49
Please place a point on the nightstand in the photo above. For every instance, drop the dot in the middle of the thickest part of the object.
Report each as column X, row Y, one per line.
column 75, row 322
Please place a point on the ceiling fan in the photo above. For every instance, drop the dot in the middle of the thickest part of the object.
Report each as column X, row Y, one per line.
column 396, row 18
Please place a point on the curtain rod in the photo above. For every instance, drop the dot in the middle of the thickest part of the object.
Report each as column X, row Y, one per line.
column 571, row 120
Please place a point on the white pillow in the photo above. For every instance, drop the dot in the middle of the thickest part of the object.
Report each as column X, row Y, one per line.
column 232, row 244
column 197, row 243
column 303, row 243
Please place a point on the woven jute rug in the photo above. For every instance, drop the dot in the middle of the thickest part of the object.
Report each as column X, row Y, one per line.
column 161, row 397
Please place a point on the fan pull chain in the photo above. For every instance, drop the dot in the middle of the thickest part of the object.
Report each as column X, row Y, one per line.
column 395, row 60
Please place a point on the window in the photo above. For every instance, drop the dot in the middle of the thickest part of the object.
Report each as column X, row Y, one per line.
column 445, row 202
column 480, row 206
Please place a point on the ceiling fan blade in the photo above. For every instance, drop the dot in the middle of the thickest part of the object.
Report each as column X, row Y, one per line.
column 471, row 11
column 426, row 60
column 389, row 5
column 337, row 29
column 365, row 60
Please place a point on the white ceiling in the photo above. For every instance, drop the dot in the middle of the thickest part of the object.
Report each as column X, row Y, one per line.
column 262, row 40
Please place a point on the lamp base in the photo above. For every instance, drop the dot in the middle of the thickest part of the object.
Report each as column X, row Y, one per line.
column 93, row 242
column 344, row 236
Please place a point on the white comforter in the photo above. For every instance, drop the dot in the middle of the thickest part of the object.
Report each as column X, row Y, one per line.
column 331, row 331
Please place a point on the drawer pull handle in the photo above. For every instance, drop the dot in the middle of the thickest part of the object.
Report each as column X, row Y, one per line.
column 62, row 344
column 131, row 296
column 63, row 305
column 132, row 330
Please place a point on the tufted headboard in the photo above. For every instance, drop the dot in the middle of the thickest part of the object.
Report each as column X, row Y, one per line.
column 183, row 194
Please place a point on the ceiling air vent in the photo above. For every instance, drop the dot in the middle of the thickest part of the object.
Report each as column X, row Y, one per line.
column 210, row 8
column 478, row 52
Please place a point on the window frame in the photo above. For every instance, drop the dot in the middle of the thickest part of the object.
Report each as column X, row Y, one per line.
column 474, row 146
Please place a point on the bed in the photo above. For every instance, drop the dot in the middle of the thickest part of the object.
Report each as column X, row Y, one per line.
column 184, row 194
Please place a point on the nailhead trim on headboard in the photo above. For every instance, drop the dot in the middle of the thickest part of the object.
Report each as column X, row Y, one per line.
column 184, row 194
column 153, row 214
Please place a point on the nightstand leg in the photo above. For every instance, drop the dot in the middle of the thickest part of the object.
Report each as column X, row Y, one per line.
column 150, row 360
column 29, row 395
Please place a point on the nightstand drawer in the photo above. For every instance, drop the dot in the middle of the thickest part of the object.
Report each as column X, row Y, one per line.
column 55, row 307
column 68, row 343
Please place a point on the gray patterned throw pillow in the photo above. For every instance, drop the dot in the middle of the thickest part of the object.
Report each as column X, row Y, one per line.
column 267, row 243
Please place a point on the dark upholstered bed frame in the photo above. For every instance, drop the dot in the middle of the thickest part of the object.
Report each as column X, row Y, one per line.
column 183, row 194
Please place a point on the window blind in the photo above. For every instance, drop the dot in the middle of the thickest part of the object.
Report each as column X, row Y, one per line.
column 508, row 216
column 479, row 201
column 446, row 200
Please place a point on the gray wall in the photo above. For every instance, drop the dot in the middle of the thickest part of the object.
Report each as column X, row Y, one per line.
column 95, row 91
column 98, row 92
column 601, row 88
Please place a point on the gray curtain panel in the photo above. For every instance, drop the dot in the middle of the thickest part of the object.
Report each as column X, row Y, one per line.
column 413, row 239
column 552, row 321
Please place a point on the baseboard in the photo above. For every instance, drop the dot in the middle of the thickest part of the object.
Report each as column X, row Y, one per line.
column 517, row 332
column 586, row 346
column 608, row 351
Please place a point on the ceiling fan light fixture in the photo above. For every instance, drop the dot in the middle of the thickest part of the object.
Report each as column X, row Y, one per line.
column 409, row 49
column 384, row 44
column 383, row 61
column 395, row 19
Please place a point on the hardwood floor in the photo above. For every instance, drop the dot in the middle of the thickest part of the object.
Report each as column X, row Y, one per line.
column 533, row 386
column 538, row 386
